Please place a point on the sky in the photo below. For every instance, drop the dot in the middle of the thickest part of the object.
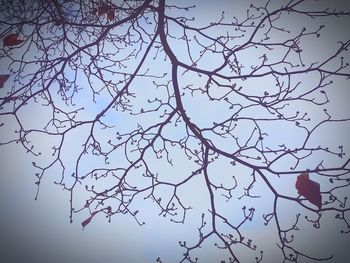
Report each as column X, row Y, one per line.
column 40, row 230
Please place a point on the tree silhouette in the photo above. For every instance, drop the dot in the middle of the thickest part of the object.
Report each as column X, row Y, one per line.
column 122, row 103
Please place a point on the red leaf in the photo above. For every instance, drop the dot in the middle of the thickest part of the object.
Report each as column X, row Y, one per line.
column 9, row 39
column 3, row 79
column 95, row 11
column 58, row 21
column 309, row 189
column 110, row 15
column 105, row 9
column 100, row 11
column 12, row 40
column 88, row 220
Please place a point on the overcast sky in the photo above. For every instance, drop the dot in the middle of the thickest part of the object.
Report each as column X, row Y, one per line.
column 39, row 231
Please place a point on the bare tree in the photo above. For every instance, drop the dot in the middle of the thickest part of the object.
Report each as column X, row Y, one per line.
column 129, row 102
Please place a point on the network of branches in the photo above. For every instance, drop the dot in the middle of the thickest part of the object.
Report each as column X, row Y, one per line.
column 123, row 103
